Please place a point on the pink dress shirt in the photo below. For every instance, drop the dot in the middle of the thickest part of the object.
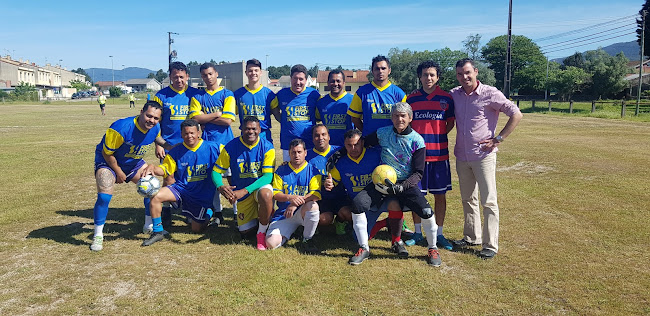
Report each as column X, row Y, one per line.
column 477, row 114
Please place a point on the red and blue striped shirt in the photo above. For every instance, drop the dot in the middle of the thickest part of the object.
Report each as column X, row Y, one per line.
column 431, row 112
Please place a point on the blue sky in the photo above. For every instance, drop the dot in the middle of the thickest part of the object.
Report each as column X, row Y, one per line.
column 331, row 33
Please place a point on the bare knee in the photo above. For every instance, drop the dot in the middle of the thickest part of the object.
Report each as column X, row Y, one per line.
column 325, row 219
column 273, row 241
column 105, row 181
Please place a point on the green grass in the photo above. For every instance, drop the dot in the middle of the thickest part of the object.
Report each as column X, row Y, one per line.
column 573, row 193
column 604, row 109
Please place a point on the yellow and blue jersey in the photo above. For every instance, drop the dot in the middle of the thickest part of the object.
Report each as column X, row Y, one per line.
column 333, row 113
column 192, row 168
column 319, row 160
column 255, row 103
column 176, row 106
column 298, row 115
column 356, row 174
column 247, row 163
column 372, row 104
column 208, row 102
column 301, row 181
column 127, row 141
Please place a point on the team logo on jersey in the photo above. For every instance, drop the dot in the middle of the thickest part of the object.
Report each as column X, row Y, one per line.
column 443, row 105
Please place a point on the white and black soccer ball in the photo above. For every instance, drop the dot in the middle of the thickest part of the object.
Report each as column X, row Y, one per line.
column 148, row 186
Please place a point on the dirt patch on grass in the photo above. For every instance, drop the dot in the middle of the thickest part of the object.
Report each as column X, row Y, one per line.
column 526, row 168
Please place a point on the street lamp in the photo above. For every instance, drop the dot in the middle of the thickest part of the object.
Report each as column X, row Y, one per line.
column 112, row 70
column 266, row 62
column 60, row 78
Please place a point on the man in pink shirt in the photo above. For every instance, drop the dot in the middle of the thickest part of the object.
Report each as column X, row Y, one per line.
column 477, row 108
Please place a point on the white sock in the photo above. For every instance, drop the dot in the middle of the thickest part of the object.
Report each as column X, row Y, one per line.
column 147, row 220
column 234, row 209
column 430, row 228
column 310, row 223
column 99, row 230
column 216, row 203
column 439, row 230
column 360, row 224
column 418, row 228
column 262, row 228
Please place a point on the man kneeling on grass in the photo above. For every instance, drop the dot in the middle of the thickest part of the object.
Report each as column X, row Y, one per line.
column 296, row 187
column 191, row 165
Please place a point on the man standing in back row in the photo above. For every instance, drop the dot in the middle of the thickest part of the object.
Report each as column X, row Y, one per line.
column 371, row 105
column 477, row 108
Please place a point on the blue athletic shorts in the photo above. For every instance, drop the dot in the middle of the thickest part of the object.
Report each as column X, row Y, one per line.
column 129, row 170
column 191, row 208
column 436, row 178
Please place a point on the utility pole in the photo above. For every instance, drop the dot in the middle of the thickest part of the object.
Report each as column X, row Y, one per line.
column 506, row 80
column 638, row 97
column 112, row 70
column 546, row 90
column 172, row 54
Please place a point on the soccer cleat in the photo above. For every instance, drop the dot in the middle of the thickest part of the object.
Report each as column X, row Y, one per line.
column 154, row 238
column 261, row 241
column 399, row 248
column 433, row 257
column 442, row 242
column 216, row 220
column 97, row 243
column 147, row 228
column 487, row 254
column 339, row 227
column 307, row 246
column 359, row 257
column 462, row 243
column 415, row 238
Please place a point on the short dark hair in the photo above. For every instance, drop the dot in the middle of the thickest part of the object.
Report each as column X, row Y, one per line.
column 297, row 141
column 177, row 65
column 462, row 62
column 334, row 72
column 351, row 133
column 428, row 64
column 379, row 58
column 253, row 62
column 298, row 68
column 151, row 104
column 206, row 66
column 248, row 119
column 317, row 125
column 190, row 123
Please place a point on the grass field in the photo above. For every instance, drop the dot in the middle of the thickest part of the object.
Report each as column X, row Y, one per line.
column 574, row 201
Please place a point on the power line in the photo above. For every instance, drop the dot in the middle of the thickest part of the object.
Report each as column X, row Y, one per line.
column 557, row 50
column 618, row 20
column 587, row 36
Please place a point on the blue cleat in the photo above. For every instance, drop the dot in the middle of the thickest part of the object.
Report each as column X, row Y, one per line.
column 444, row 243
column 415, row 238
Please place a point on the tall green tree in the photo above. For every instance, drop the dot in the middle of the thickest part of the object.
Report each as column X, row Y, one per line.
column 607, row 73
column 277, row 72
column 79, row 85
column 575, row 60
column 568, row 81
column 528, row 62
column 160, row 75
column 639, row 30
column 472, row 46
column 313, row 71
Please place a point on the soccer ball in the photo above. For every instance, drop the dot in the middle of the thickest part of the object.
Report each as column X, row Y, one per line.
column 148, row 186
column 379, row 176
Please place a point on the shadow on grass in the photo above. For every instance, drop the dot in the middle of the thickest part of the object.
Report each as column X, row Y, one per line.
column 538, row 109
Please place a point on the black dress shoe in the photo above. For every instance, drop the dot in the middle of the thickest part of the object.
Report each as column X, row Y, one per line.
column 487, row 254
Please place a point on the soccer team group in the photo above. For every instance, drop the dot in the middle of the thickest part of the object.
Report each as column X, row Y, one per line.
column 330, row 145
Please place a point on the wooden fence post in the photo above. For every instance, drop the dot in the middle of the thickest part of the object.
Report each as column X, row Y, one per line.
column 549, row 105
column 517, row 102
column 593, row 106
column 622, row 108
column 571, row 107
column 533, row 104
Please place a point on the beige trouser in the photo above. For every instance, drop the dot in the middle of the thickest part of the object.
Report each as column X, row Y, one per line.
column 475, row 176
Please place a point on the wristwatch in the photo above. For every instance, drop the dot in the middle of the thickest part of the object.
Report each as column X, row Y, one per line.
column 499, row 138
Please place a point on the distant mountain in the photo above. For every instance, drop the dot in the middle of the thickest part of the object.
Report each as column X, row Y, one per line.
column 103, row 74
column 630, row 49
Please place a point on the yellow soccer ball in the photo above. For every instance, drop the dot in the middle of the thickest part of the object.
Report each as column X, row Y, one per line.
column 383, row 172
